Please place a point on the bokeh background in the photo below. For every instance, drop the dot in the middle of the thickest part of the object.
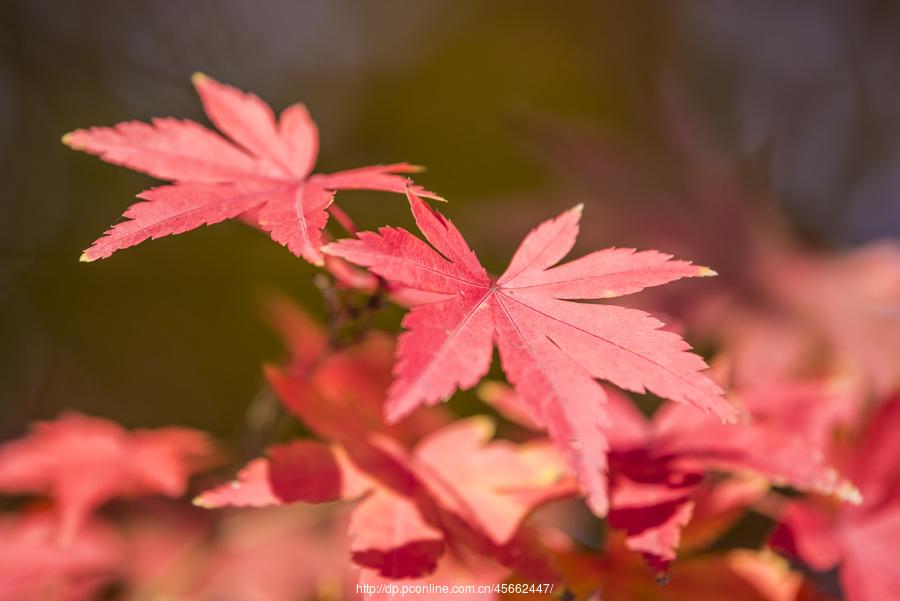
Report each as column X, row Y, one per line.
column 514, row 107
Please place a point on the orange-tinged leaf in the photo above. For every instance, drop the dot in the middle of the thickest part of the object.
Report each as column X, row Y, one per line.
column 389, row 535
column 493, row 485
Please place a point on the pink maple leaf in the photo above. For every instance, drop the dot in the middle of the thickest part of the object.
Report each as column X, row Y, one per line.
column 852, row 303
column 455, row 483
column 862, row 540
column 36, row 567
column 262, row 172
column 427, row 487
column 275, row 554
column 658, row 465
column 280, row 554
column 551, row 348
column 459, row 570
column 339, row 395
column 81, row 462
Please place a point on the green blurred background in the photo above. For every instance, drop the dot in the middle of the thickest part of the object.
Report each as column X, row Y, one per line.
column 171, row 332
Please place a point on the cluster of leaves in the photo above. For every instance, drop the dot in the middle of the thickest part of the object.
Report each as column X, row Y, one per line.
column 388, row 486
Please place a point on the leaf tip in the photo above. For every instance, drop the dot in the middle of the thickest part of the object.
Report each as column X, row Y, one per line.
column 730, row 414
column 488, row 389
column 69, row 140
column 485, row 425
column 391, row 418
column 393, row 413
column 86, row 258
column 199, row 501
column 848, row 493
column 706, row 272
column 579, row 208
column 598, row 504
column 198, row 78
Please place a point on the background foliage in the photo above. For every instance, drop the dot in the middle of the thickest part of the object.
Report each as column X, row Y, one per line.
column 803, row 94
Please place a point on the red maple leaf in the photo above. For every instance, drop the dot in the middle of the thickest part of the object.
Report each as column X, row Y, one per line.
column 733, row 575
column 657, row 475
column 36, row 567
column 81, row 462
column 658, row 466
column 346, row 387
column 427, row 488
column 261, row 173
column 863, row 540
column 412, row 503
column 464, row 572
column 278, row 555
column 551, row 348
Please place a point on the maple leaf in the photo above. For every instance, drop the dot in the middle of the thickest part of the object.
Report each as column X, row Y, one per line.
column 81, row 462
column 400, row 527
column 658, row 476
column 37, row 568
column 658, row 466
column 852, row 302
column 458, row 569
column 740, row 575
column 494, row 484
column 426, row 487
column 262, row 172
column 338, row 394
column 390, row 536
column 551, row 348
column 274, row 554
column 387, row 530
column 279, row 554
column 861, row 540
column 302, row 470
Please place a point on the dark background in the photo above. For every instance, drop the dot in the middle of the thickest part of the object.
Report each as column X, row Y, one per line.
column 171, row 332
